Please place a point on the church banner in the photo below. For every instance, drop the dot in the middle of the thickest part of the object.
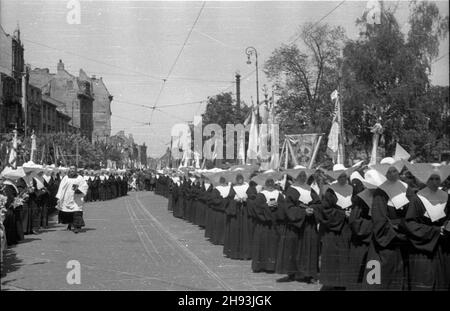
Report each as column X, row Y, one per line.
column 301, row 147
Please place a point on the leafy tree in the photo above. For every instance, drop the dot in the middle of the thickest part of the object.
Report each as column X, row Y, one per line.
column 222, row 110
column 386, row 77
column 305, row 78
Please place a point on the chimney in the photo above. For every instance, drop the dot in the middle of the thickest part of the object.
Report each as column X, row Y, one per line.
column 238, row 91
column 60, row 66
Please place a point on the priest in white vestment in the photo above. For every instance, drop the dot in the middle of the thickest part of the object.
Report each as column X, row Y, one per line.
column 71, row 192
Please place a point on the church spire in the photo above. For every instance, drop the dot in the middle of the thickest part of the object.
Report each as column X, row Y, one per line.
column 17, row 32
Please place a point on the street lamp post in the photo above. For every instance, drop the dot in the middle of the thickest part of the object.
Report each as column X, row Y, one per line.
column 250, row 51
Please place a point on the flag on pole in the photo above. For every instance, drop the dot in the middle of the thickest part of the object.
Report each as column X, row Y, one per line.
column 302, row 149
column 400, row 153
column 210, row 148
column 377, row 130
column 252, row 151
column 241, row 141
column 197, row 159
column 33, row 147
column 274, row 139
column 372, row 12
column 43, row 154
column 12, row 160
column 333, row 137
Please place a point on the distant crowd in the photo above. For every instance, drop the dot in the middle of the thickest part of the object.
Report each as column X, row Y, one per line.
column 29, row 195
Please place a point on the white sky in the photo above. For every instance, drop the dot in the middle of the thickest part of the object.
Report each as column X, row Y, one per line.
column 133, row 45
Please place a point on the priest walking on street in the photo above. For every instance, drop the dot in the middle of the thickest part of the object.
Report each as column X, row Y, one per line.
column 71, row 192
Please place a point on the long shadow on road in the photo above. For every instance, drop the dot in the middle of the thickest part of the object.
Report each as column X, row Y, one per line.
column 10, row 264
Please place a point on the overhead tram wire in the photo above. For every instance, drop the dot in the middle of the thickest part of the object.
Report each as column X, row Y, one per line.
column 298, row 37
column 316, row 23
column 176, row 60
column 194, row 102
column 438, row 59
column 137, row 73
column 91, row 59
column 116, row 116
column 150, row 107
column 170, row 114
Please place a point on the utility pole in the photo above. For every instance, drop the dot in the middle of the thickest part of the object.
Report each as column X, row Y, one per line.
column 76, row 153
column 170, row 152
column 250, row 51
column 24, row 98
column 238, row 91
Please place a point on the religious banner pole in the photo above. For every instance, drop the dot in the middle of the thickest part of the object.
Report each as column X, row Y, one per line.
column 294, row 158
column 316, row 149
column 341, row 150
column 377, row 130
column 76, row 156
column 43, row 153
column 33, row 146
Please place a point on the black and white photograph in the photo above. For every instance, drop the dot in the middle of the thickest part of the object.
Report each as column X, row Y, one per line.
column 223, row 146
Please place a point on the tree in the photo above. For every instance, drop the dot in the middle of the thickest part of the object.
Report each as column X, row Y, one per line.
column 305, row 78
column 222, row 110
column 386, row 77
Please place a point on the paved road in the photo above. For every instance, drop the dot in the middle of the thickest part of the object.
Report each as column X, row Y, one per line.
column 131, row 243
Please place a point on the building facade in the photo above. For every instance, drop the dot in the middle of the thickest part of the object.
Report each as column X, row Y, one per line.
column 132, row 154
column 74, row 92
column 11, row 71
column 142, row 154
column 101, row 107
column 33, row 109
column 54, row 116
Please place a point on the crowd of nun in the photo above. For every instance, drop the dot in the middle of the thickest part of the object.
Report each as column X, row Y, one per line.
column 31, row 193
column 383, row 227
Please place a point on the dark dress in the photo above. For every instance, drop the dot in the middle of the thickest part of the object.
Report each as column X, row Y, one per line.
column 361, row 227
column 299, row 243
column 251, row 221
column 13, row 221
column 335, row 237
column 53, row 189
column 266, row 235
column 95, row 185
column 31, row 216
column 209, row 220
column 197, row 189
column 246, row 226
column 202, row 204
column 231, row 245
column 175, row 193
column 170, row 197
column 218, row 206
column 42, row 202
column 88, row 197
column 389, row 245
column 101, row 189
column 125, row 185
column 429, row 260
column 179, row 208
column 188, row 201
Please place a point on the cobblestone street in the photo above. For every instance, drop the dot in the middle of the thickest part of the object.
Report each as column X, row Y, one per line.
column 131, row 243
